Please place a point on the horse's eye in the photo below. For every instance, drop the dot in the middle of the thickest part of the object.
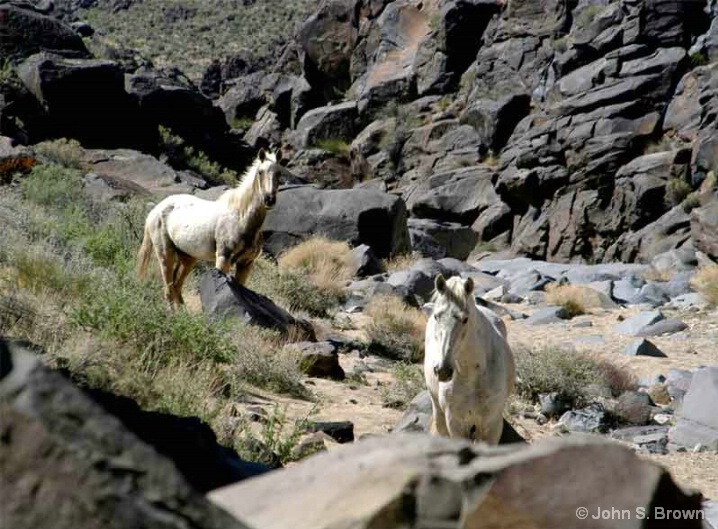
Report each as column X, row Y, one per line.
column 464, row 319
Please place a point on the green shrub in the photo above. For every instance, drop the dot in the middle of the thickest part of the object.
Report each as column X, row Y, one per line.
column 335, row 146
column 53, row 185
column 408, row 383
column 64, row 152
column 677, row 190
column 566, row 372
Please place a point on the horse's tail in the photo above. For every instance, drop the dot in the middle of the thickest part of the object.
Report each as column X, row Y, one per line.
column 144, row 254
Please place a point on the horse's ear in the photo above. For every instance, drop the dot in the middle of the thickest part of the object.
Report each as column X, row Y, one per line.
column 469, row 286
column 262, row 155
column 440, row 283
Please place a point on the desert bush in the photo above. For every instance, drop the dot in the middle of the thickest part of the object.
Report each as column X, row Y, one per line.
column 181, row 153
column 327, row 264
column 677, row 190
column 335, row 146
column 65, row 152
column 408, row 383
column 396, row 330
column 399, row 262
column 575, row 299
column 52, row 185
column 290, row 289
column 569, row 373
column 276, row 440
column 705, row 281
column 588, row 14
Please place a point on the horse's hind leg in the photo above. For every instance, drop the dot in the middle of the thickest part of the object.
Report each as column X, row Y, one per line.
column 167, row 257
column 185, row 266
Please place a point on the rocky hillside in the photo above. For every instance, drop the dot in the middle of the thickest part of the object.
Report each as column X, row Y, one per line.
column 577, row 130
column 565, row 131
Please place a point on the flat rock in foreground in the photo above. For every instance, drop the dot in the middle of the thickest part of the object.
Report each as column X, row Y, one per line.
column 417, row 480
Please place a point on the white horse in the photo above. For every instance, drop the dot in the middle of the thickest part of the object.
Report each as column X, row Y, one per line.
column 468, row 365
column 184, row 228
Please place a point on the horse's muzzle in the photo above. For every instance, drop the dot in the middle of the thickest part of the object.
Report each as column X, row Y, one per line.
column 269, row 201
column 444, row 373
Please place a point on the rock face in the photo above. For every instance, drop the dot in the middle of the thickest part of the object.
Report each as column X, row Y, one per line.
column 223, row 297
column 358, row 216
column 66, row 459
column 698, row 418
column 416, row 480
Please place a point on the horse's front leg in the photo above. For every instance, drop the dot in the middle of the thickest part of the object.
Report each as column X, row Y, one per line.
column 223, row 261
column 242, row 271
column 439, row 421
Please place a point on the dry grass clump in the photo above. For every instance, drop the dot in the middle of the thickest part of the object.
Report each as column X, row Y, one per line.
column 575, row 299
column 327, row 264
column 568, row 373
column 67, row 153
column 400, row 262
column 706, row 283
column 396, row 330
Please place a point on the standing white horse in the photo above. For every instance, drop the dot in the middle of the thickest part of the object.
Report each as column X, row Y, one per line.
column 468, row 365
column 184, row 228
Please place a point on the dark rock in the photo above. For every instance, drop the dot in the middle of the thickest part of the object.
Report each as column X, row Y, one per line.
column 634, row 407
column 495, row 121
column 341, row 432
column 554, row 404
column 68, row 91
column 652, row 439
column 419, row 279
column 55, row 435
column 445, row 471
column 327, row 39
column 643, row 348
column 366, row 263
column 698, row 417
column 591, row 419
column 667, row 326
column 26, row 32
column 635, row 325
column 327, row 124
column 319, row 360
column 223, row 297
column 456, row 196
column 358, row 216
column 547, row 315
column 441, row 239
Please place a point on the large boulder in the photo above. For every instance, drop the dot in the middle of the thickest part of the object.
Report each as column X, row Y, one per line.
column 86, row 100
column 334, row 123
column 26, row 31
column 358, row 216
column 223, row 297
column 67, row 462
column 698, row 417
column 417, row 480
column 441, row 239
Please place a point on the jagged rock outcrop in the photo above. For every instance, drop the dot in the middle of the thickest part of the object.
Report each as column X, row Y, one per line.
column 67, row 462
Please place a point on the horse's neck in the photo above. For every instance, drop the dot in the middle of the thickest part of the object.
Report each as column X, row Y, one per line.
column 247, row 202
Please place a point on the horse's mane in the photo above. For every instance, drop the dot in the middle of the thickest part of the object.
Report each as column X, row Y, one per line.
column 240, row 198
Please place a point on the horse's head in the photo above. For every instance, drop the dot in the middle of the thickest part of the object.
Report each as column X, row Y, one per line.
column 451, row 314
column 268, row 173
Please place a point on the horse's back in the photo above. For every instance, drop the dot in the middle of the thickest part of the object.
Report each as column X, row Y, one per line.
column 495, row 320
